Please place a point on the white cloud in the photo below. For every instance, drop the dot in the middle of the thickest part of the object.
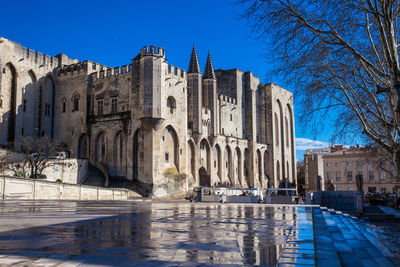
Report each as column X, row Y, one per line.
column 304, row 144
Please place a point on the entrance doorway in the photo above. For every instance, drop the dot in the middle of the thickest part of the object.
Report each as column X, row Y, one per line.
column 204, row 177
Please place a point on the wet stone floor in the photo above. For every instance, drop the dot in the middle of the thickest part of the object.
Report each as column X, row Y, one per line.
column 144, row 233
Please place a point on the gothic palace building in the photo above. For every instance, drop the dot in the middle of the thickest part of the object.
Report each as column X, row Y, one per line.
column 152, row 122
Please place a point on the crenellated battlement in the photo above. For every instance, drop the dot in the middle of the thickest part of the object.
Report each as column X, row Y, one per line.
column 176, row 71
column 33, row 56
column 152, row 51
column 111, row 72
column 73, row 69
column 227, row 100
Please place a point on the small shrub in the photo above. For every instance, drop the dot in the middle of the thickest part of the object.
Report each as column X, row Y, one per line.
column 20, row 173
column 42, row 176
column 58, row 180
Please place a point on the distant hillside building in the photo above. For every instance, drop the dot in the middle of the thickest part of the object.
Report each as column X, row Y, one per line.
column 152, row 122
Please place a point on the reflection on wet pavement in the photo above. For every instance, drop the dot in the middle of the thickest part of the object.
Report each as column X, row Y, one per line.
column 151, row 233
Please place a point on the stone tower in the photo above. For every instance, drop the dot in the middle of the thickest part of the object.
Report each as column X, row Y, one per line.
column 210, row 94
column 194, row 93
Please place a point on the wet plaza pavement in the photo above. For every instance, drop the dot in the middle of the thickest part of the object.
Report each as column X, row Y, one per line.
column 140, row 233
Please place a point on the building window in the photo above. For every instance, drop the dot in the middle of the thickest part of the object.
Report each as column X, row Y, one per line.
column 171, row 104
column 337, row 164
column 328, row 164
column 76, row 103
column 114, row 105
column 100, row 107
column 383, row 190
column 348, row 163
column 167, row 157
column 215, row 164
column 359, row 163
column 22, row 131
column 372, row 189
column 64, row 106
column 383, row 175
column 350, row 188
column 47, row 109
column 231, row 117
column 349, row 176
column 24, row 105
column 329, row 176
column 337, row 176
column 371, row 176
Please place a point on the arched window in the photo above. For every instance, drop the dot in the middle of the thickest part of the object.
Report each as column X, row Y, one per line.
column 171, row 104
column 64, row 105
column 75, row 100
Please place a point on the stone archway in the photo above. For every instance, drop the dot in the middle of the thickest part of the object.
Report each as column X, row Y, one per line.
column 204, row 177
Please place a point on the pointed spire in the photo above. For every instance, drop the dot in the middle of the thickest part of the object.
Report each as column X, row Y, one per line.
column 194, row 66
column 209, row 71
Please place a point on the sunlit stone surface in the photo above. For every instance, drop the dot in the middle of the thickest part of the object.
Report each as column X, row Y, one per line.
column 153, row 234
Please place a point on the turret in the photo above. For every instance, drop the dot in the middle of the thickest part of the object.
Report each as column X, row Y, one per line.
column 194, row 93
column 149, row 64
column 210, row 93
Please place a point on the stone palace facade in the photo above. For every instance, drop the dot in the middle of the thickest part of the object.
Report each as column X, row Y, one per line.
column 151, row 122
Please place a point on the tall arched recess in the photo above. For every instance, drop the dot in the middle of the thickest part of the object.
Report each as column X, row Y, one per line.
column 119, row 158
column 217, row 162
column 282, row 138
column 171, row 146
column 228, row 165
column 192, row 158
column 46, row 96
column 100, row 148
column 239, row 165
column 137, row 147
column 8, row 100
column 28, row 106
column 246, row 165
column 83, row 152
column 259, row 167
column 292, row 138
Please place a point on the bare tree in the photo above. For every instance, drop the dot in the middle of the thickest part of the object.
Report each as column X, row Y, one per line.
column 37, row 152
column 12, row 163
column 342, row 57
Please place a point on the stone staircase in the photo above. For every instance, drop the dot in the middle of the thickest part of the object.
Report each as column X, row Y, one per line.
column 94, row 177
column 341, row 241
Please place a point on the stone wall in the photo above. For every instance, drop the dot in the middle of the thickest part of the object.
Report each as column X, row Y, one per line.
column 20, row 188
column 71, row 171
column 346, row 201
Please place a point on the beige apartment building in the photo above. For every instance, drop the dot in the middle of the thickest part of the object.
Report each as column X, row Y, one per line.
column 342, row 166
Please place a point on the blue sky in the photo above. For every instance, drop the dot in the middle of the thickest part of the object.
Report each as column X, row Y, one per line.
column 112, row 33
